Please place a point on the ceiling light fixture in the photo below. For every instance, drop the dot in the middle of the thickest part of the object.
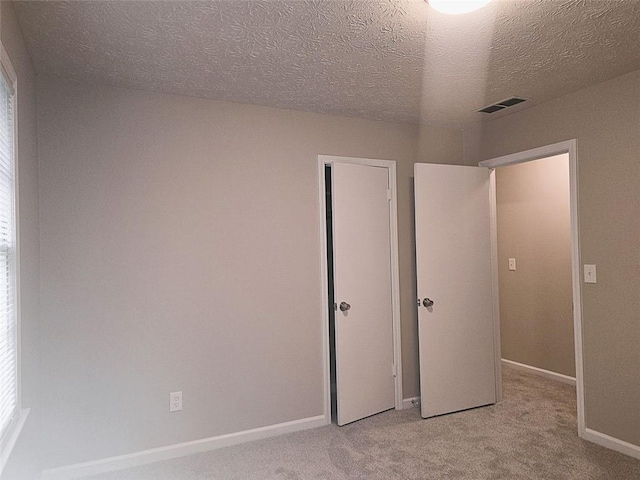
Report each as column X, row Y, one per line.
column 457, row 6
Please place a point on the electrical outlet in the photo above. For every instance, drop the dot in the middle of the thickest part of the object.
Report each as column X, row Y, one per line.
column 175, row 401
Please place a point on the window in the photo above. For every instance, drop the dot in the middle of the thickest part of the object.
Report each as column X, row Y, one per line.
column 8, row 268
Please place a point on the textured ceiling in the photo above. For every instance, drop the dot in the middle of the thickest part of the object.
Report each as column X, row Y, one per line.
column 394, row 60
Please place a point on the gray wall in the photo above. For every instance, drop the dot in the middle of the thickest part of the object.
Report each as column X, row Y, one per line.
column 605, row 120
column 534, row 227
column 24, row 463
column 180, row 251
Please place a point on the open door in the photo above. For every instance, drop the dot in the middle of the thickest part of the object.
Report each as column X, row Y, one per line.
column 455, row 312
column 364, row 352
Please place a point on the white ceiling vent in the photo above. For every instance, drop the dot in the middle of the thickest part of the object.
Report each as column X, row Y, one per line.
column 496, row 107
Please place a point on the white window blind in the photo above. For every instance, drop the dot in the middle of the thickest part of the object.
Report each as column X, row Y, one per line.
column 8, row 318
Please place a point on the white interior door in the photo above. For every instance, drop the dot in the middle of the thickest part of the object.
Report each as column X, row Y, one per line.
column 453, row 255
column 362, row 291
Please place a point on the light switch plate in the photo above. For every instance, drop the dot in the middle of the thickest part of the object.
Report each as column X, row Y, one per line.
column 590, row 274
column 512, row 264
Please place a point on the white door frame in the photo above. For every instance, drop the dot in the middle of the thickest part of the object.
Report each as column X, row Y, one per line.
column 570, row 147
column 395, row 273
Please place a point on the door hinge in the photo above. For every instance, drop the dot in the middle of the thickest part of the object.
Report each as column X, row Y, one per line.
column 394, row 370
column 388, row 194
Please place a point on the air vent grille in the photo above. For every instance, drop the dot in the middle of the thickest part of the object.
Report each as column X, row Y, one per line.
column 496, row 107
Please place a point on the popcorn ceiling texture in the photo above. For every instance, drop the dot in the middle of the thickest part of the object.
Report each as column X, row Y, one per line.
column 394, row 60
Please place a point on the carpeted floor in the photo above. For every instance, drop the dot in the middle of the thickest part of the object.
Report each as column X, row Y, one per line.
column 530, row 435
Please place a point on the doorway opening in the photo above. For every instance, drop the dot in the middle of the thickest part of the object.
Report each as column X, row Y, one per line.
column 362, row 369
column 567, row 149
column 534, row 267
column 330, row 300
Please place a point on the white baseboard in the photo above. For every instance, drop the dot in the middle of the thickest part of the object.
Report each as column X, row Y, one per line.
column 612, row 443
column 408, row 402
column 145, row 457
column 541, row 372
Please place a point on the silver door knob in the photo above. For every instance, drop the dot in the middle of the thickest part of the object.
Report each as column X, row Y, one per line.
column 344, row 306
column 427, row 302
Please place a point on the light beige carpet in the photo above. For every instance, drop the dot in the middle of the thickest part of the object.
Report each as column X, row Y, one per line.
column 530, row 435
